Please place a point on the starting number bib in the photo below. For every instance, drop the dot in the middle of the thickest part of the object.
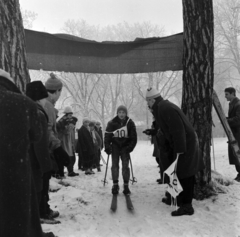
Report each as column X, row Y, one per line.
column 121, row 132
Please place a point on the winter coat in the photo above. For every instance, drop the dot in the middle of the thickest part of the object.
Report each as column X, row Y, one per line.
column 234, row 123
column 98, row 142
column 100, row 133
column 66, row 133
column 85, row 144
column 154, row 141
column 54, row 142
column 177, row 135
column 39, row 152
column 19, row 126
column 121, row 142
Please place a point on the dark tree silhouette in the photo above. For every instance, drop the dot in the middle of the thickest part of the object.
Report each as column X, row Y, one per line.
column 12, row 44
column 198, row 57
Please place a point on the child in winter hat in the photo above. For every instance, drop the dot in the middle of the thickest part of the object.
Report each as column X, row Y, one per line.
column 122, row 108
column 53, row 83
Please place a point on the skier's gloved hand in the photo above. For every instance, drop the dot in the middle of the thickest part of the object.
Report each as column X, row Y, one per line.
column 108, row 150
column 62, row 154
column 129, row 149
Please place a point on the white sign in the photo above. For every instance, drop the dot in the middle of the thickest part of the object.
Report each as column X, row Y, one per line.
column 174, row 186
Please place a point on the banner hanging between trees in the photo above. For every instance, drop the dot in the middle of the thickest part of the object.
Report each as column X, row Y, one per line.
column 62, row 52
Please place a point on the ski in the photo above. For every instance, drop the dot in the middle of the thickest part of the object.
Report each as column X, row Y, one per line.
column 129, row 202
column 114, row 202
column 231, row 139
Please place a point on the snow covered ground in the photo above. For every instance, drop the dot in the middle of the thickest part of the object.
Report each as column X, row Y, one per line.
column 84, row 204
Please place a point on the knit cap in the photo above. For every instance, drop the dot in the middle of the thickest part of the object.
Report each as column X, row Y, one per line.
column 53, row 83
column 122, row 108
column 152, row 93
column 36, row 90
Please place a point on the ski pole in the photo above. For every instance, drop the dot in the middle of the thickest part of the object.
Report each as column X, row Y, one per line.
column 105, row 181
column 134, row 180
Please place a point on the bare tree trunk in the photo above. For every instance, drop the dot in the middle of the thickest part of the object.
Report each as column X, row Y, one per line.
column 198, row 73
column 12, row 44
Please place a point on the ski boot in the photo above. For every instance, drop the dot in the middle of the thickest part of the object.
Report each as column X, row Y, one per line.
column 115, row 189
column 126, row 189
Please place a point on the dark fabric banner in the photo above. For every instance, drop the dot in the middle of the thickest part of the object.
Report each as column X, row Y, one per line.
column 62, row 52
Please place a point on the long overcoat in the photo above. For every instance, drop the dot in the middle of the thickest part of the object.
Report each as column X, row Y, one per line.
column 85, row 146
column 234, row 123
column 19, row 126
column 39, row 152
column 177, row 136
column 100, row 133
column 66, row 133
column 54, row 142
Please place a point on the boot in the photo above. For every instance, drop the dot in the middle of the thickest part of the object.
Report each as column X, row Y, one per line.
column 48, row 234
column 53, row 214
column 88, row 172
column 115, row 189
column 184, row 209
column 237, row 178
column 126, row 189
column 72, row 174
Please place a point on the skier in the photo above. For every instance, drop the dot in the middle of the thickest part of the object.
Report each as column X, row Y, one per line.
column 120, row 139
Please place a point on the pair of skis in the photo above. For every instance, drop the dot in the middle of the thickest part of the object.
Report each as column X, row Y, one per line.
column 128, row 202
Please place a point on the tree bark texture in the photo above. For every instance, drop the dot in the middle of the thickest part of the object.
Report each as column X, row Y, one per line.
column 12, row 50
column 198, row 54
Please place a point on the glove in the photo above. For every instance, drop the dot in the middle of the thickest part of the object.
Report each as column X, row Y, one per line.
column 150, row 132
column 129, row 150
column 62, row 155
column 108, row 150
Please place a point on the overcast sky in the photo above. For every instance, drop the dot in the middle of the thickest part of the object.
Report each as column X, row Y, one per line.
column 53, row 13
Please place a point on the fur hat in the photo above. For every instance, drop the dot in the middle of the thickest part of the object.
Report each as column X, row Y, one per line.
column 68, row 110
column 36, row 90
column 122, row 108
column 53, row 83
column 152, row 93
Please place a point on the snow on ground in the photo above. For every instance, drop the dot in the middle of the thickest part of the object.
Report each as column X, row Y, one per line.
column 84, row 204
